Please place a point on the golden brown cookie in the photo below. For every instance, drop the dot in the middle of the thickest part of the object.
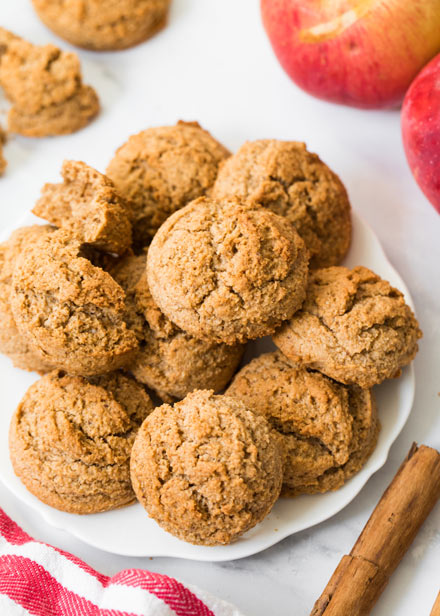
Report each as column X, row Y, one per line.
column 328, row 429
column 207, row 469
column 354, row 327
column 227, row 271
column 3, row 162
column 12, row 343
column 162, row 169
column 69, row 310
column 114, row 24
column 70, row 440
column 169, row 361
column 292, row 182
column 45, row 88
column 88, row 205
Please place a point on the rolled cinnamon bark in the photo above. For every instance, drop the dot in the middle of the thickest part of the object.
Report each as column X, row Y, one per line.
column 362, row 575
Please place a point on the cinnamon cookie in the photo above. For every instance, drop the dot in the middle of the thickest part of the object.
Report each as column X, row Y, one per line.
column 12, row 343
column 292, row 182
column 70, row 440
column 328, row 429
column 87, row 204
column 169, row 360
column 207, row 469
column 353, row 326
column 45, row 88
column 69, row 310
column 162, row 169
column 116, row 24
column 227, row 271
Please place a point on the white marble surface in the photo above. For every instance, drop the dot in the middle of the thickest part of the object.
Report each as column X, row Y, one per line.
column 214, row 64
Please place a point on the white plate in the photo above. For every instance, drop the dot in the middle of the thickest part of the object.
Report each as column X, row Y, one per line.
column 130, row 532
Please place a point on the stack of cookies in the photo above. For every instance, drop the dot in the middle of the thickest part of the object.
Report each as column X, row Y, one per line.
column 148, row 283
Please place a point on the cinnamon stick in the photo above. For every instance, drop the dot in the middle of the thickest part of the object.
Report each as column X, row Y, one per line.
column 362, row 575
column 436, row 607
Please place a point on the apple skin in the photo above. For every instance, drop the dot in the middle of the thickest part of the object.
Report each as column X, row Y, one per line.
column 421, row 130
column 363, row 53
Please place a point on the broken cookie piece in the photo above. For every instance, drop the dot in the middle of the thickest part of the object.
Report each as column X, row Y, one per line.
column 45, row 88
column 87, row 204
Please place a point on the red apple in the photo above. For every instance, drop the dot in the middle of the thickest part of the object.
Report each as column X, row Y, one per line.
column 421, row 130
column 363, row 53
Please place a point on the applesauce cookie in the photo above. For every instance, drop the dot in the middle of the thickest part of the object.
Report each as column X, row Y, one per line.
column 162, row 169
column 328, row 429
column 88, row 204
column 169, row 361
column 117, row 24
column 12, row 342
column 69, row 310
column 227, row 271
column 207, row 469
column 45, row 88
column 354, row 327
column 70, row 440
column 292, row 182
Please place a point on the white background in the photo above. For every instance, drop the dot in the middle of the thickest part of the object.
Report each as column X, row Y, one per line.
column 214, row 64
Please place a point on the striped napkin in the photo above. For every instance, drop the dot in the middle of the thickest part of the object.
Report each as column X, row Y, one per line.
column 39, row 579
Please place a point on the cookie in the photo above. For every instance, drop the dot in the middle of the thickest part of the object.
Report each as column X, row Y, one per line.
column 328, row 429
column 227, row 271
column 70, row 440
column 292, row 182
column 12, row 343
column 117, row 24
column 169, row 361
column 87, row 204
column 45, row 88
column 162, row 169
column 354, row 327
column 207, row 469
column 69, row 310
column 3, row 162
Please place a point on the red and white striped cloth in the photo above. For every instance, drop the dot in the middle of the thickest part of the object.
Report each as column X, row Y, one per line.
column 39, row 579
